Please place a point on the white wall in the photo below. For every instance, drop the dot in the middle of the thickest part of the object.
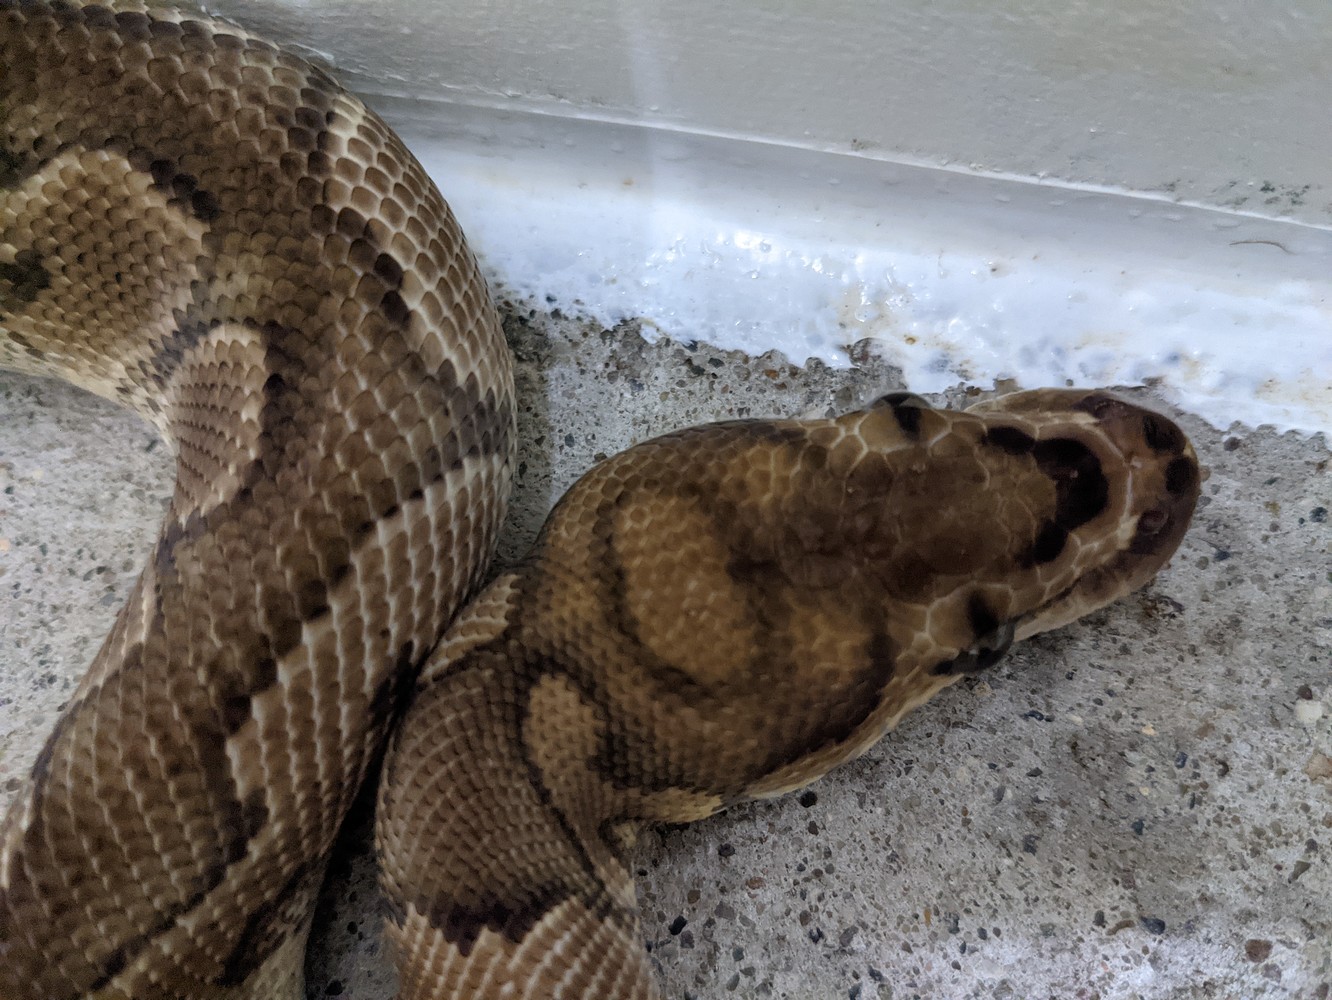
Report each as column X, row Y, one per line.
column 766, row 175
column 1218, row 102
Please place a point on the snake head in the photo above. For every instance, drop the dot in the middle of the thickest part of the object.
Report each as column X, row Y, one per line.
column 1126, row 481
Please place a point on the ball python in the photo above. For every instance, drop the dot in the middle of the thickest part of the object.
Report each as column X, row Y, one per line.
column 212, row 232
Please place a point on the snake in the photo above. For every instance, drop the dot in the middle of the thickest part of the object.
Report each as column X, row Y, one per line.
column 212, row 232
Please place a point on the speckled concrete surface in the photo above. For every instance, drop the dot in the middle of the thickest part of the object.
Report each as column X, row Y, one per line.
column 1137, row 806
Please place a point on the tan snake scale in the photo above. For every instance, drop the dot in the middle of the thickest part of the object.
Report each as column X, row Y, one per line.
column 215, row 234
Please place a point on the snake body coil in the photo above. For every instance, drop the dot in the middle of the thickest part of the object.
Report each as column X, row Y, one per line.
column 212, row 232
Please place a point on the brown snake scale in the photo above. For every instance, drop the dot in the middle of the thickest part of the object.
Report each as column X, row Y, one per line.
column 214, row 233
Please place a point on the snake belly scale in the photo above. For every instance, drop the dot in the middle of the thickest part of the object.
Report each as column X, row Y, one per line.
column 214, row 233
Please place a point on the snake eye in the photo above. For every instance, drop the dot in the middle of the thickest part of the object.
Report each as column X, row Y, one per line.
column 1153, row 521
column 1152, row 525
column 1103, row 407
column 987, row 651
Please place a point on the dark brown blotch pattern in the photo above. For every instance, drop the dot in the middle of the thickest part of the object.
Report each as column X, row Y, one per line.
column 12, row 166
column 1081, row 488
column 814, row 551
column 1048, row 545
column 267, row 260
column 22, row 280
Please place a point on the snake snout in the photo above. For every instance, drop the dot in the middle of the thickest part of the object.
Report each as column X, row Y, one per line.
column 1164, row 485
column 1125, row 481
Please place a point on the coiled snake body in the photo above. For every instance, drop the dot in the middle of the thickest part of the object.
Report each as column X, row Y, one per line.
column 212, row 232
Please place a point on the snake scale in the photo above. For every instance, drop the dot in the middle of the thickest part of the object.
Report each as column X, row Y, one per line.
column 212, row 232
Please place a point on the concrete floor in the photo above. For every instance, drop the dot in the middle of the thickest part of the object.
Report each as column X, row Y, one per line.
column 1139, row 805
